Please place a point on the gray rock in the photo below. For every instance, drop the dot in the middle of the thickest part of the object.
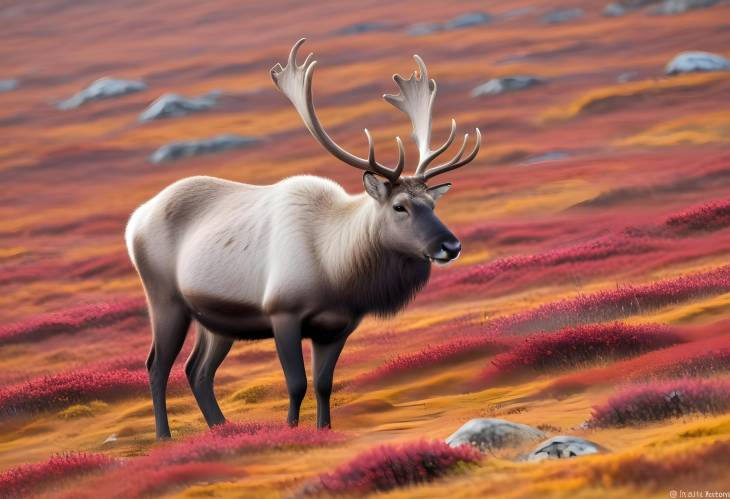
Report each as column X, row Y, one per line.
column 669, row 7
column 692, row 62
column 564, row 447
column 103, row 88
column 469, row 20
column 463, row 21
column 614, row 9
column 422, row 29
column 627, row 76
column 184, row 149
column 490, row 433
column 560, row 16
column 366, row 27
column 517, row 12
column 548, row 156
column 505, row 84
column 8, row 85
column 174, row 105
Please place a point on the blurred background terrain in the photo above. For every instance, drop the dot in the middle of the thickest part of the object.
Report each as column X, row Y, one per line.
column 592, row 298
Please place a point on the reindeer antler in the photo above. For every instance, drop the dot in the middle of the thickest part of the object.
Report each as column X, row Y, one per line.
column 296, row 83
column 416, row 99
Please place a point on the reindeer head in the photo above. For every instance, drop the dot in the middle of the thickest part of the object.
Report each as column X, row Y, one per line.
column 406, row 204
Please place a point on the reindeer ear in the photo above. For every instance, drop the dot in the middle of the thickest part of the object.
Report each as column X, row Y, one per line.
column 438, row 190
column 373, row 186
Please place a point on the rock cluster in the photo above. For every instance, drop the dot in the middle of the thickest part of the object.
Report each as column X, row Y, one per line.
column 692, row 62
column 187, row 148
column 505, row 84
column 174, row 105
column 103, row 88
column 491, row 433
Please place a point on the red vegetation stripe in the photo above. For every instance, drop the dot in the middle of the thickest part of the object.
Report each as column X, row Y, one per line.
column 580, row 345
column 706, row 217
column 657, row 401
column 626, row 300
column 59, row 390
column 22, row 480
column 192, row 459
column 71, row 320
column 594, row 250
column 456, row 349
column 698, row 358
column 234, row 438
column 388, row 467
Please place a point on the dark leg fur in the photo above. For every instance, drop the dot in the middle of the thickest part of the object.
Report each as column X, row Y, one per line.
column 170, row 322
column 207, row 356
column 288, row 338
column 324, row 360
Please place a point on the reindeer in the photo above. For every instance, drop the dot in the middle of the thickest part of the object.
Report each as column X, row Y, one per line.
column 298, row 259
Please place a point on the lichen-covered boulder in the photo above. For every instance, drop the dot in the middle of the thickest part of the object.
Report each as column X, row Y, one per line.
column 614, row 9
column 692, row 62
column 669, row 7
column 183, row 149
column 103, row 88
column 560, row 16
column 564, row 447
column 469, row 20
column 174, row 105
column 8, row 85
column 365, row 27
column 491, row 433
column 505, row 84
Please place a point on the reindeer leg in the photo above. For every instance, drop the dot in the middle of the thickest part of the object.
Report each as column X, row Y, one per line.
column 213, row 349
column 170, row 322
column 288, row 338
column 324, row 360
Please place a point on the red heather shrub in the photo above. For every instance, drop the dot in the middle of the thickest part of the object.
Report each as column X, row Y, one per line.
column 388, row 467
column 710, row 216
column 22, row 480
column 456, row 349
column 626, row 300
column 58, row 390
column 72, row 320
column 126, row 483
column 698, row 358
column 662, row 400
column 581, row 345
column 197, row 458
column 233, row 438
column 594, row 250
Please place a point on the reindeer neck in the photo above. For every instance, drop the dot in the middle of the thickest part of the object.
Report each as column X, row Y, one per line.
column 364, row 274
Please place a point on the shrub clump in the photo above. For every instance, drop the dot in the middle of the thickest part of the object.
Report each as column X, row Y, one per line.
column 581, row 345
column 455, row 349
column 64, row 389
column 662, row 400
column 72, row 320
column 706, row 217
column 22, row 480
column 626, row 300
column 233, row 438
column 388, row 467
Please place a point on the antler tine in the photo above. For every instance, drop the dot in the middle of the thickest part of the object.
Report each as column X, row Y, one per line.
column 424, row 162
column 456, row 161
column 296, row 83
column 415, row 99
column 377, row 167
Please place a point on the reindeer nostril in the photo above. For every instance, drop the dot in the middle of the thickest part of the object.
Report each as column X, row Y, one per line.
column 452, row 248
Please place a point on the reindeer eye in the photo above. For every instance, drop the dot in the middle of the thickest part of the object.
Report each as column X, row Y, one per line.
column 399, row 207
